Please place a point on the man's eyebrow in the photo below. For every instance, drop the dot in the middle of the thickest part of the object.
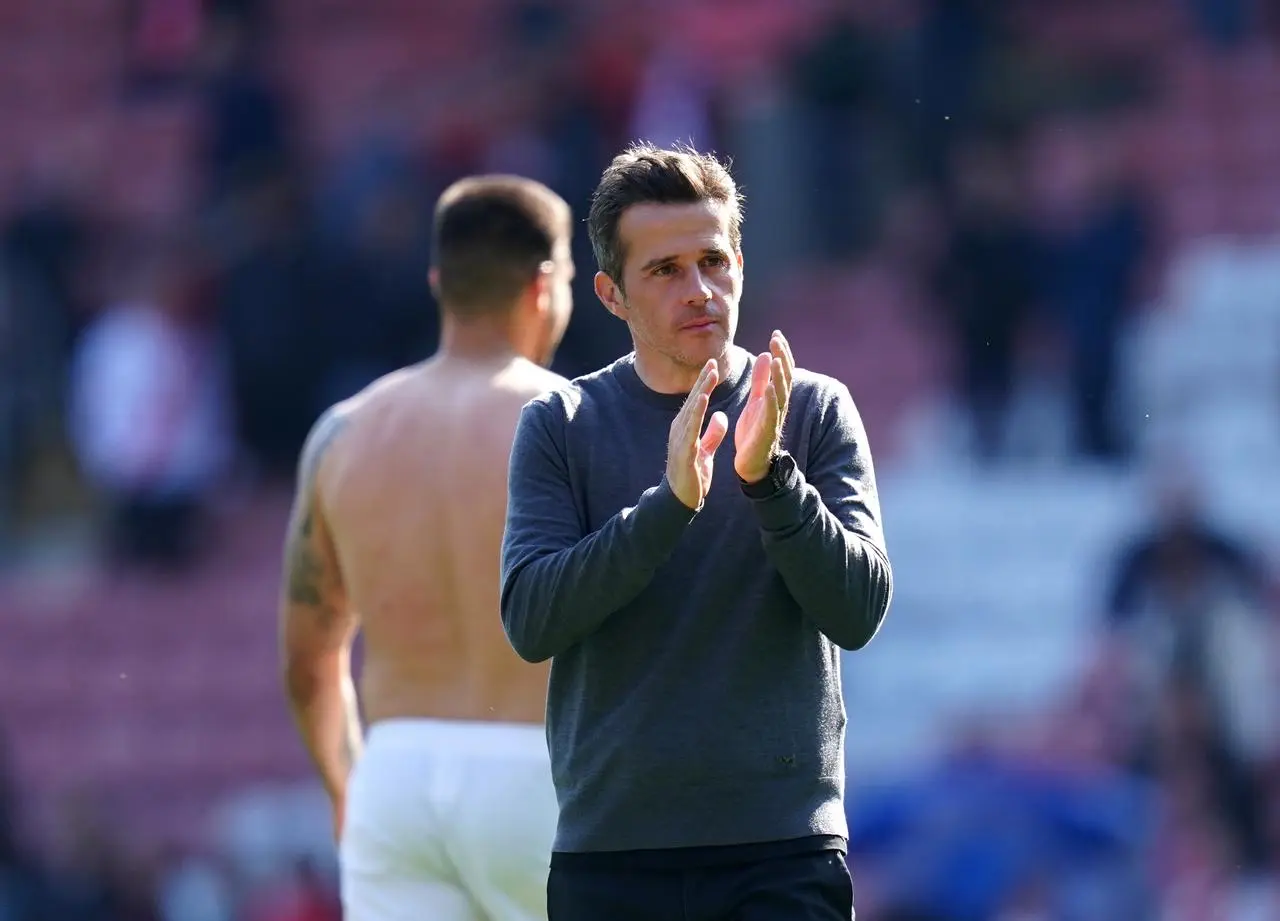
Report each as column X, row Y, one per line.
column 662, row 260
column 654, row 263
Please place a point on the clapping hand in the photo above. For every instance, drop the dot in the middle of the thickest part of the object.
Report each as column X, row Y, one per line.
column 757, row 438
column 691, row 452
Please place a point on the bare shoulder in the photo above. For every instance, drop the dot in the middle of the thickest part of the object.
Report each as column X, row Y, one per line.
column 384, row 388
column 525, row 381
column 335, row 421
column 320, row 439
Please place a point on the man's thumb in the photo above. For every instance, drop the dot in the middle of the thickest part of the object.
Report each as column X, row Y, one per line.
column 717, row 427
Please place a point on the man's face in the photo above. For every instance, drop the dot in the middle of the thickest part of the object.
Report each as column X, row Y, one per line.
column 682, row 278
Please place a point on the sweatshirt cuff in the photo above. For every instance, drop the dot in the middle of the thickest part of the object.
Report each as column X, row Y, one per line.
column 779, row 500
column 661, row 517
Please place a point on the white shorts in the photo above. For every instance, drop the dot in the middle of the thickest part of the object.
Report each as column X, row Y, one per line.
column 449, row 821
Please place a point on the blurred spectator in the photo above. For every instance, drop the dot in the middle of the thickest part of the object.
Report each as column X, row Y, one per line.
column 588, row 104
column 943, row 59
column 149, row 407
column 985, row 284
column 45, row 246
column 383, row 269
column 1179, row 555
column 248, row 123
column 275, row 280
column 836, row 78
column 1187, row 609
column 45, row 249
column 1092, row 239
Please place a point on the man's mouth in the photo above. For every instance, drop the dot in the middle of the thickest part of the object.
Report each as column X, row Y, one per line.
column 701, row 323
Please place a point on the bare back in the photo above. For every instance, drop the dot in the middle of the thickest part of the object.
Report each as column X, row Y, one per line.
column 415, row 493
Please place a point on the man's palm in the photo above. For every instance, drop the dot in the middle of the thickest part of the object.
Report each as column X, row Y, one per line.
column 756, row 435
column 752, row 427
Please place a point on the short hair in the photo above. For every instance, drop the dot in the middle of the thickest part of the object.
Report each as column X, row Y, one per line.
column 645, row 174
column 490, row 236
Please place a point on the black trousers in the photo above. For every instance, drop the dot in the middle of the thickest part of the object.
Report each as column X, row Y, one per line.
column 811, row 886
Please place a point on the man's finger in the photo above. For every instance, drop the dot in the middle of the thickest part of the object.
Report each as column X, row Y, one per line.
column 773, row 409
column 710, row 380
column 694, row 423
column 697, row 385
column 682, row 417
column 784, row 352
column 781, row 350
column 760, row 374
column 701, row 397
column 781, row 386
column 707, row 375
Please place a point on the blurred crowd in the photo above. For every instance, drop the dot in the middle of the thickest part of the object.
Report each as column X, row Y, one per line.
column 84, row 874
column 291, row 279
column 149, row 369
column 1150, row 790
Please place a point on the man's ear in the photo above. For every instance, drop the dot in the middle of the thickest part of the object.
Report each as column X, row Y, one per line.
column 542, row 290
column 433, row 280
column 536, row 297
column 610, row 295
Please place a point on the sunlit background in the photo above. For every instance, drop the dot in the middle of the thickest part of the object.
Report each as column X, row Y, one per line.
column 1038, row 239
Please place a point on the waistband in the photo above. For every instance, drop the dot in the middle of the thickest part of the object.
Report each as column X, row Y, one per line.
column 458, row 736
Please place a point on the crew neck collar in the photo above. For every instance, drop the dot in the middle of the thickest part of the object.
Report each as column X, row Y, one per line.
column 739, row 372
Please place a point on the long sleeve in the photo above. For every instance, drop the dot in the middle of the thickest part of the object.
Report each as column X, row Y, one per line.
column 559, row 584
column 823, row 532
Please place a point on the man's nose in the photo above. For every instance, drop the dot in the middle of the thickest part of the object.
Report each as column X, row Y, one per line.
column 699, row 291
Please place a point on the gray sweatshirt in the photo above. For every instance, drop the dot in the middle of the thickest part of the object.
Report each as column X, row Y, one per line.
column 695, row 682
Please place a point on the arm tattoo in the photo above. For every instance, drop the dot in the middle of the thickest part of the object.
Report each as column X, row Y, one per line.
column 307, row 576
column 305, row 568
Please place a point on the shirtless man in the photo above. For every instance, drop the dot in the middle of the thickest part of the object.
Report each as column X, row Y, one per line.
column 396, row 530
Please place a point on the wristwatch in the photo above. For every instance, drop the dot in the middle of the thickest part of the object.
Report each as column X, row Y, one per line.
column 781, row 468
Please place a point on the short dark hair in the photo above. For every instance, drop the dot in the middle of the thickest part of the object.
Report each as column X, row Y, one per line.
column 645, row 174
column 490, row 235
